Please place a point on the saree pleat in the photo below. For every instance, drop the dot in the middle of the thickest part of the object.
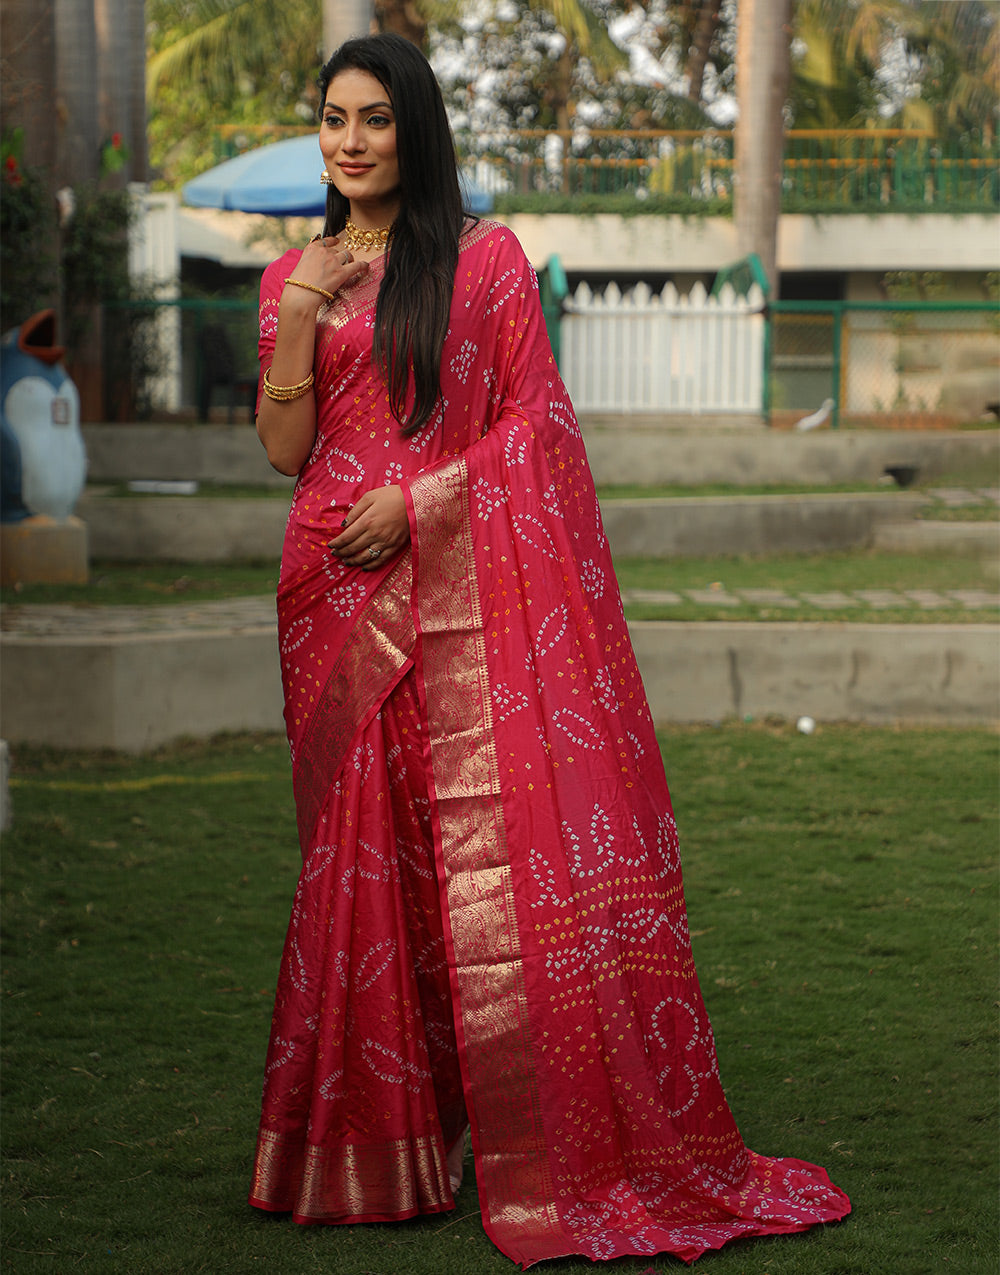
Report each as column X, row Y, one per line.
column 491, row 916
column 362, row 1091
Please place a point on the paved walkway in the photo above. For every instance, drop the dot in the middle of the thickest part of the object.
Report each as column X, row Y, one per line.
column 961, row 497
column 242, row 614
column 83, row 621
column 87, row 621
column 834, row 600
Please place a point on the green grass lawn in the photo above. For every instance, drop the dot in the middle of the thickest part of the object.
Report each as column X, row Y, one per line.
column 153, row 583
column 842, row 898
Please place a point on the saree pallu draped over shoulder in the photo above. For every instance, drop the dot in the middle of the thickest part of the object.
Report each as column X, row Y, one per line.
column 490, row 917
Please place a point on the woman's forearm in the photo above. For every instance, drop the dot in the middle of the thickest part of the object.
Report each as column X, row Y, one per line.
column 288, row 428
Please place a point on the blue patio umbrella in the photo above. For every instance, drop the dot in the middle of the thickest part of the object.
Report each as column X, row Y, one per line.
column 282, row 180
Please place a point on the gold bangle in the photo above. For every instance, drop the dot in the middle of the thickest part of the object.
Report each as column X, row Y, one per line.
column 285, row 393
column 311, row 287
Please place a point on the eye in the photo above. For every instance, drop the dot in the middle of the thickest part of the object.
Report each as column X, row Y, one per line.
column 332, row 119
column 379, row 121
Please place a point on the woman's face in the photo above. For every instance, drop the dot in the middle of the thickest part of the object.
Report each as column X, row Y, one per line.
column 358, row 141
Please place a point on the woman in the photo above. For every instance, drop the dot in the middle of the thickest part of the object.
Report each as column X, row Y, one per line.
column 489, row 926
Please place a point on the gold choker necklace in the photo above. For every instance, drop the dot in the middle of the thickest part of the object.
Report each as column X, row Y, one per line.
column 355, row 238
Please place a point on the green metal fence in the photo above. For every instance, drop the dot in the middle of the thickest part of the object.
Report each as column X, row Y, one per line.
column 871, row 170
column 201, row 357
column 877, row 364
column 883, row 364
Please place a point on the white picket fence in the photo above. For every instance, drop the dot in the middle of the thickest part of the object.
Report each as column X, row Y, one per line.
column 640, row 351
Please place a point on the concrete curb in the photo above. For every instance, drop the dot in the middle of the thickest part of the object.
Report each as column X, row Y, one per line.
column 656, row 455
column 185, row 528
column 133, row 692
column 877, row 673
column 651, row 451
column 235, row 528
column 207, row 453
column 705, row 526
column 967, row 539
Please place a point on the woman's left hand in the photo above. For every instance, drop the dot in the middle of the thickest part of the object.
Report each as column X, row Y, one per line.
column 375, row 529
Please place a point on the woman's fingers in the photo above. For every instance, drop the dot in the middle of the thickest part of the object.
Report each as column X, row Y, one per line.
column 374, row 529
column 326, row 263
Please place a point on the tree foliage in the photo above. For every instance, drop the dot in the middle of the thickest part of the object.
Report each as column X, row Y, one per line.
column 510, row 64
column 927, row 64
column 225, row 62
column 504, row 67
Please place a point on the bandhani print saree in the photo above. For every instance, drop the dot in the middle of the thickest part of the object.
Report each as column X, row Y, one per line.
column 490, row 922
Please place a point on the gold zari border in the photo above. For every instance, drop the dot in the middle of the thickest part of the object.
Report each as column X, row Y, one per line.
column 493, row 1022
column 350, row 1182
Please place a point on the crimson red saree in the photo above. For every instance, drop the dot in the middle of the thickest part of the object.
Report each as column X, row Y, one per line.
column 490, row 918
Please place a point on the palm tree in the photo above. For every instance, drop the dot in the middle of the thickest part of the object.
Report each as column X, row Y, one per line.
column 198, row 51
column 763, row 68
column 584, row 34
column 224, row 41
column 28, row 76
column 951, row 53
column 833, row 84
column 957, row 46
column 195, row 53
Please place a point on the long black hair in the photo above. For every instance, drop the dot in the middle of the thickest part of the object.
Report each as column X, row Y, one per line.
column 411, row 314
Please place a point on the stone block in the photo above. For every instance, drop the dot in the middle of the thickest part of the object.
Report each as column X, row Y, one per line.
column 42, row 550
column 908, row 674
column 134, row 692
column 679, row 527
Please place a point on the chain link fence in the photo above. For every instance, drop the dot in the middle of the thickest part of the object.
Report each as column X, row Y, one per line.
column 916, row 365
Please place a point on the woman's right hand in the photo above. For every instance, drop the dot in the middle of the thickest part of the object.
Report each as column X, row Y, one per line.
column 326, row 264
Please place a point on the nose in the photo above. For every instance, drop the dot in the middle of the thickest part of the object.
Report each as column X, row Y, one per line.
column 353, row 137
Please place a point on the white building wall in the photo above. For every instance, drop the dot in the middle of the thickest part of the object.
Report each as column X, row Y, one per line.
column 847, row 243
column 154, row 260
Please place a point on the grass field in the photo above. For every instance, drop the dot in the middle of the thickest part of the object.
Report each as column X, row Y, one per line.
column 842, row 897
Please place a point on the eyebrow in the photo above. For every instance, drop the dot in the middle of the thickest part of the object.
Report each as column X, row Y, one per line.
column 332, row 106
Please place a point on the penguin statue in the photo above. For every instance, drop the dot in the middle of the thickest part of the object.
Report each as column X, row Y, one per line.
column 43, row 463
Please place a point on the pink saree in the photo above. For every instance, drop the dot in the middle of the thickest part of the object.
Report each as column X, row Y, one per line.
column 490, row 921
